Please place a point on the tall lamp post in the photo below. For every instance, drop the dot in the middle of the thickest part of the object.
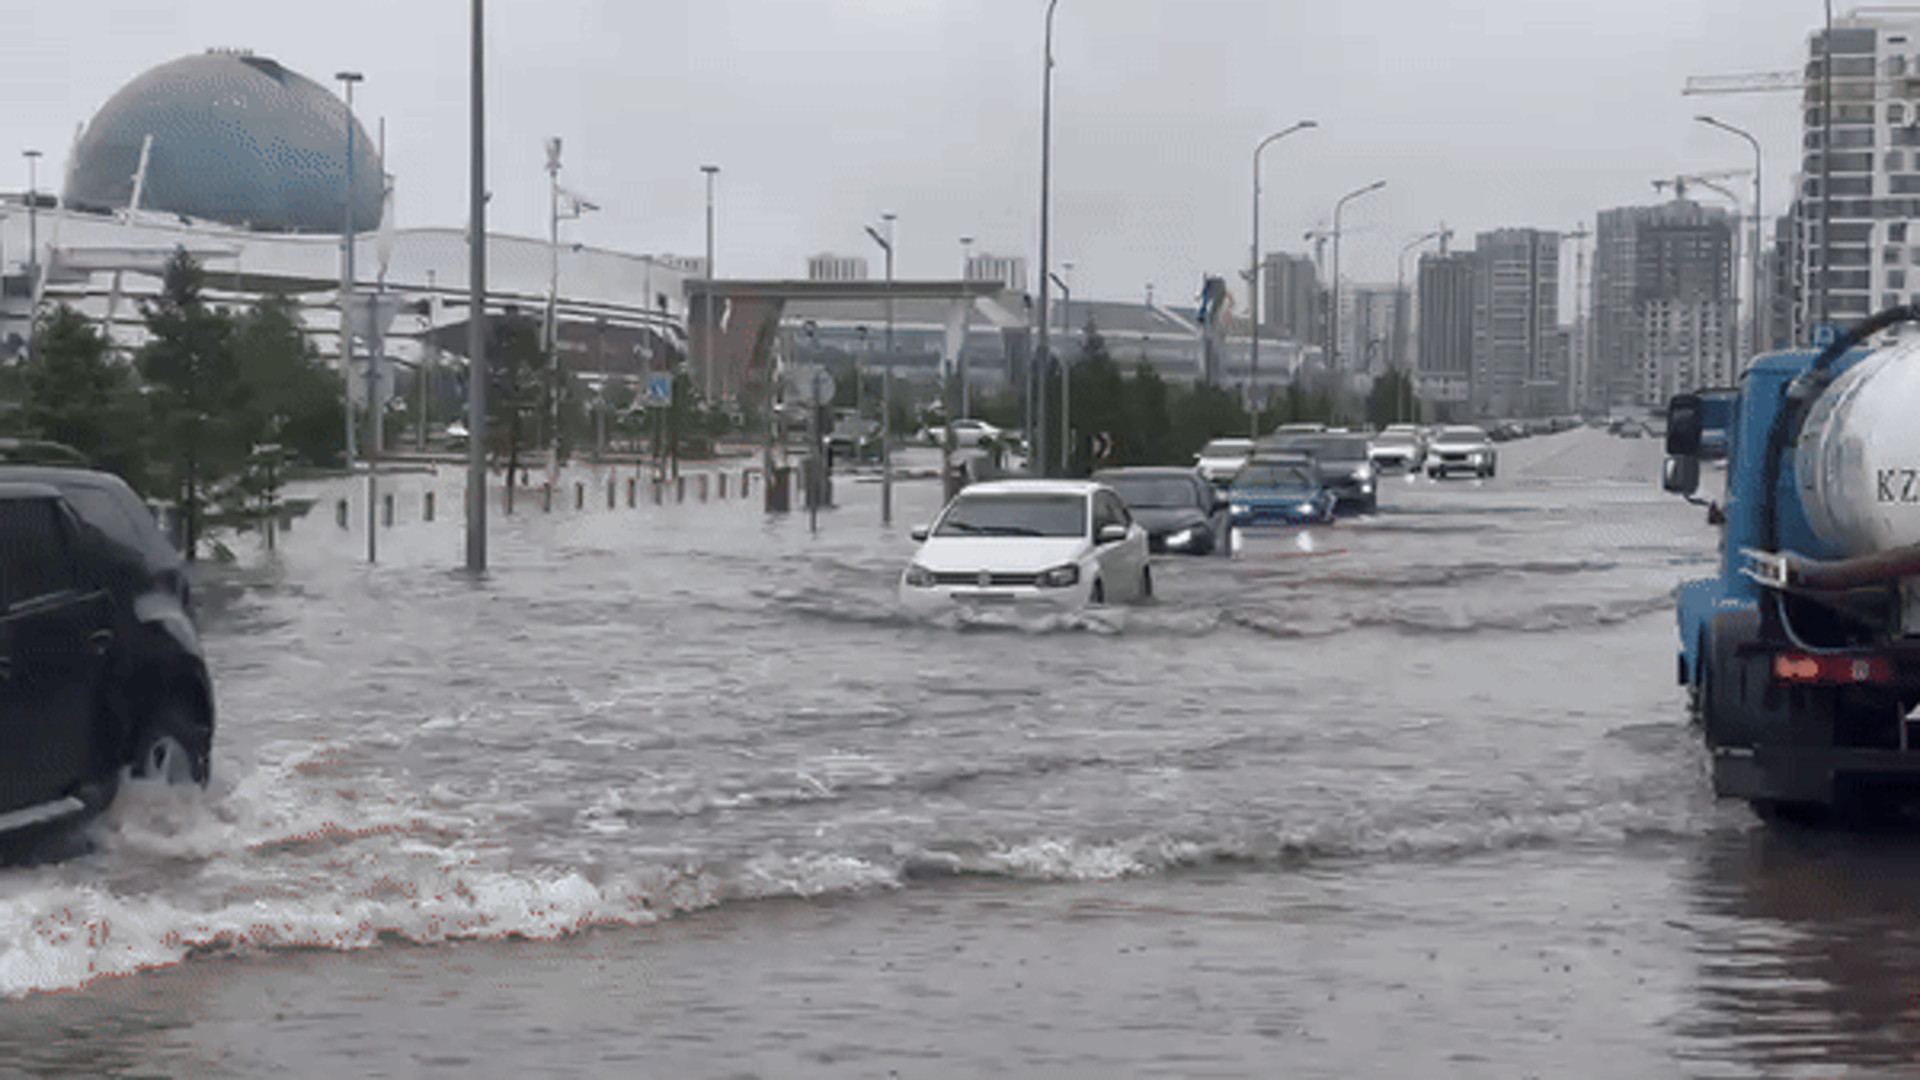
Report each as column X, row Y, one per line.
column 575, row 206
column 1066, row 334
column 476, row 548
column 712, row 323
column 33, row 252
column 960, row 362
column 886, row 380
column 1253, row 281
column 1037, row 377
column 348, row 79
column 1334, row 317
column 1753, row 288
column 1400, row 305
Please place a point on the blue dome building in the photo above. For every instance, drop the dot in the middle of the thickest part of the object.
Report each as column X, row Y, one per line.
column 237, row 139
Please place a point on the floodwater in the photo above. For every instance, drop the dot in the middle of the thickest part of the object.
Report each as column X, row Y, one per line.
column 677, row 791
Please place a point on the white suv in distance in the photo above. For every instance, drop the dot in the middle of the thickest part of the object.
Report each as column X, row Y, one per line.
column 1221, row 460
column 1460, row 449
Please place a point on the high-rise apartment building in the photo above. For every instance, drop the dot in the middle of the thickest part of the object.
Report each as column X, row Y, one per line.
column 1516, row 371
column 837, row 268
column 1010, row 271
column 1294, row 304
column 1445, row 329
column 1859, row 185
column 1664, row 301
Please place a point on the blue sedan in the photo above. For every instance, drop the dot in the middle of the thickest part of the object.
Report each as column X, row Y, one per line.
column 1280, row 492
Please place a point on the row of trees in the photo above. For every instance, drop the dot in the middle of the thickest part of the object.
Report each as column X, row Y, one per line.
column 1138, row 418
column 211, row 392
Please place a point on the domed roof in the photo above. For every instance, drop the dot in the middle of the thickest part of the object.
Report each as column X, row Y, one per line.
column 237, row 139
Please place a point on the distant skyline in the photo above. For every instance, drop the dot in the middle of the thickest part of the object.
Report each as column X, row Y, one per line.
column 822, row 114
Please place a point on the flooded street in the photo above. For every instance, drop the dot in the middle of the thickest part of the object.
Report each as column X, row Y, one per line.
column 678, row 791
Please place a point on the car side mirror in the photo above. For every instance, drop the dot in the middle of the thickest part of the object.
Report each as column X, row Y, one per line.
column 1686, row 416
column 919, row 532
column 1111, row 533
column 1681, row 476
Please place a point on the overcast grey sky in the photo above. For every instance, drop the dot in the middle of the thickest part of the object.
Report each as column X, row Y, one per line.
column 824, row 113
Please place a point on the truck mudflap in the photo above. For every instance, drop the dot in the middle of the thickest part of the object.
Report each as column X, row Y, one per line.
column 1811, row 775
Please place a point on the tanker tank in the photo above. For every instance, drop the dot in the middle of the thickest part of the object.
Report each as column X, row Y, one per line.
column 1858, row 456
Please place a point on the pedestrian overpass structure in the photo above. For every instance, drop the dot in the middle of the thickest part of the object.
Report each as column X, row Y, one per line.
column 740, row 331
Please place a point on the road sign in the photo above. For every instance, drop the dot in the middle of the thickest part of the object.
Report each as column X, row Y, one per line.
column 659, row 390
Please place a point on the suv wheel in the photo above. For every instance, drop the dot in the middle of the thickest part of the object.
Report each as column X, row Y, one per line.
column 173, row 747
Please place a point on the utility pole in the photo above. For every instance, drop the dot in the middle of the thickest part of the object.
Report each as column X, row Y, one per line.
column 1037, row 431
column 33, row 253
column 712, row 322
column 348, row 79
column 886, row 380
column 1253, row 282
column 477, row 296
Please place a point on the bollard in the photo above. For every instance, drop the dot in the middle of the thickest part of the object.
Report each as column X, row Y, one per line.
column 703, row 487
column 386, row 509
column 340, row 513
column 546, row 497
column 633, row 491
column 579, row 495
column 659, row 488
column 426, row 511
column 679, row 489
column 775, row 487
column 723, row 487
column 612, row 493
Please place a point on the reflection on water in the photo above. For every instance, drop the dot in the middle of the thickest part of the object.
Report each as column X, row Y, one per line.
column 1808, row 950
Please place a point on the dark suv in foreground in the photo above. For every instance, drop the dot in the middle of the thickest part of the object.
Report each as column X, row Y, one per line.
column 100, row 662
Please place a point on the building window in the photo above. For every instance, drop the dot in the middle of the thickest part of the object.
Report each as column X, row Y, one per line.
column 1896, row 279
column 1897, row 232
column 1896, row 113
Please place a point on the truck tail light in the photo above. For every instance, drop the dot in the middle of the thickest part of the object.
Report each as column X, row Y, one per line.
column 1831, row 669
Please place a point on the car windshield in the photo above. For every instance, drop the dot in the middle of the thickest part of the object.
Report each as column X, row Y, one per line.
column 1273, row 476
column 1015, row 515
column 1153, row 491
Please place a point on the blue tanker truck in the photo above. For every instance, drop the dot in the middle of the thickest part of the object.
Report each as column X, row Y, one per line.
column 1801, row 655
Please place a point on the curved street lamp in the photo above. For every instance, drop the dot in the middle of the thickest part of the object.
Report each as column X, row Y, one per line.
column 1753, row 301
column 1333, row 362
column 1253, row 280
column 1037, row 371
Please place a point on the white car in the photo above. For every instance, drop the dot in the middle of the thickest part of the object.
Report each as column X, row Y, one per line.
column 1460, row 449
column 965, row 433
column 1059, row 543
column 1222, row 459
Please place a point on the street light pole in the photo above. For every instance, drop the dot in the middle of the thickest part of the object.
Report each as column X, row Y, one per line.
column 1400, row 305
column 348, row 79
column 712, row 322
column 1334, row 361
column 33, row 253
column 886, row 380
column 1066, row 389
column 1753, row 302
column 960, row 362
column 1038, row 376
column 1253, row 281
column 477, row 297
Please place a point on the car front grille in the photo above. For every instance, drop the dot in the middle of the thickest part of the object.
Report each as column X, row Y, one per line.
column 986, row 580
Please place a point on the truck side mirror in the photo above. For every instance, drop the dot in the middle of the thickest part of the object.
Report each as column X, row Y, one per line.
column 1681, row 476
column 1686, row 416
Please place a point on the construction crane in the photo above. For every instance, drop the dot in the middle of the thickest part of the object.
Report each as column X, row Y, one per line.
column 1705, row 179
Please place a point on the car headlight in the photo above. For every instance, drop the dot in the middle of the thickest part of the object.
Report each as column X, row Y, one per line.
column 1363, row 474
column 919, row 577
column 1238, row 507
column 1060, row 577
column 1184, row 537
